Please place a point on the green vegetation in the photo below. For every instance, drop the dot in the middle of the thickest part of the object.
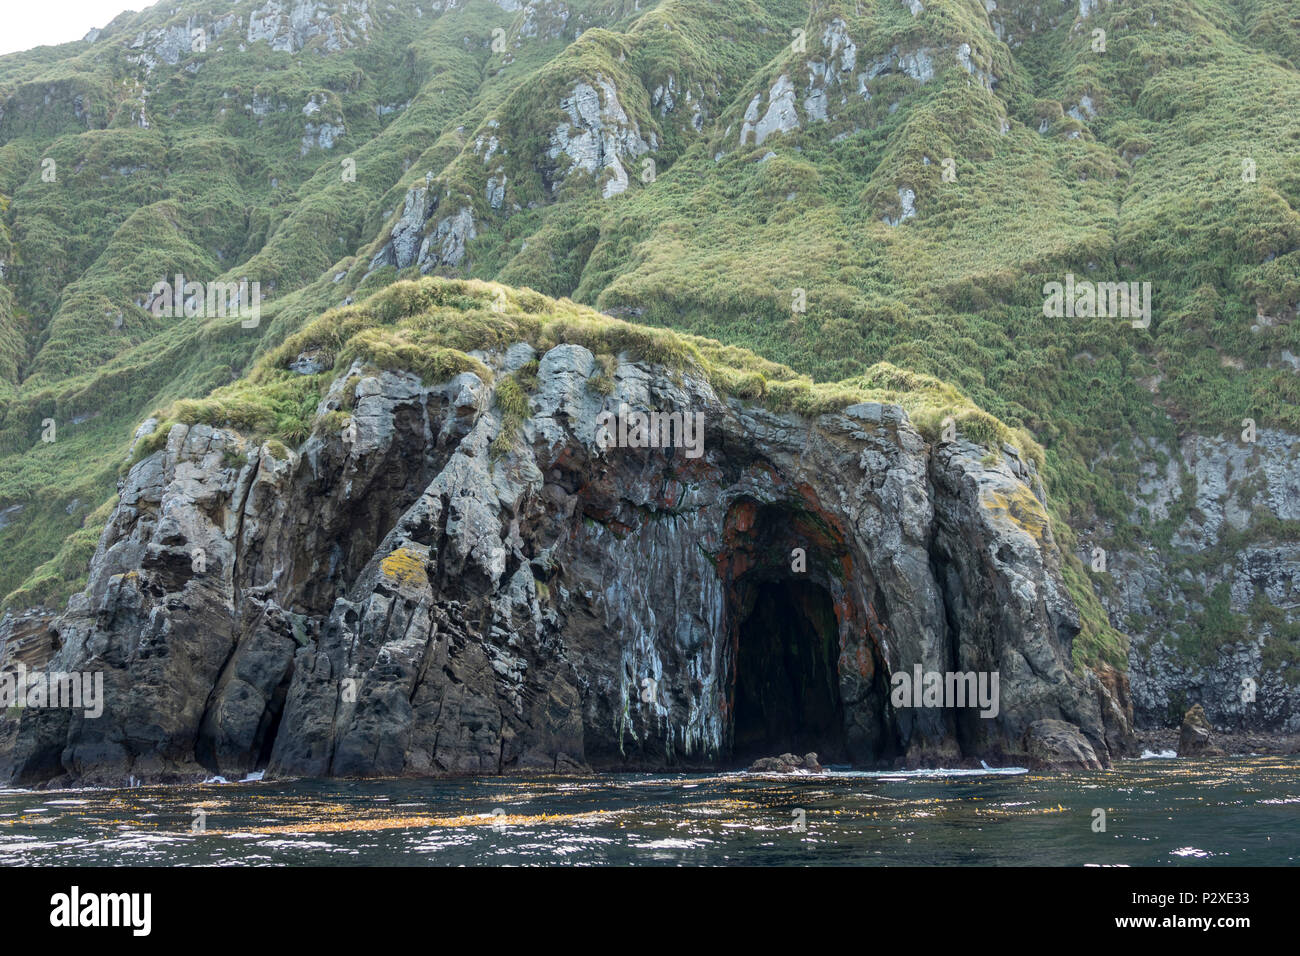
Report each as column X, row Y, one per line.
column 427, row 327
column 1097, row 642
column 513, row 402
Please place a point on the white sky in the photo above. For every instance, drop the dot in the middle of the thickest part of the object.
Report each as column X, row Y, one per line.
column 28, row 23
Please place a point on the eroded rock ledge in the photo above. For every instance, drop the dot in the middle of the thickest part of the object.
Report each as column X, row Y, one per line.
column 404, row 596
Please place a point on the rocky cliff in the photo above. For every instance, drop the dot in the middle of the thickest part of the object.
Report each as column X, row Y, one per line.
column 441, row 581
column 829, row 185
column 1213, row 623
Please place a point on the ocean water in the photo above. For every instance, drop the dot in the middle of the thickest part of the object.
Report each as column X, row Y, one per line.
column 1158, row 812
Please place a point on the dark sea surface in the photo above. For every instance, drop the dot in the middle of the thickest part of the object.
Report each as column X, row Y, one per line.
column 1159, row 812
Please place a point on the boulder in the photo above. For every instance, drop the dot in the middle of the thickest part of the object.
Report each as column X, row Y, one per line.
column 1058, row 745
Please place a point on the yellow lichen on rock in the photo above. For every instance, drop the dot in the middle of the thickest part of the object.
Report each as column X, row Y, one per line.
column 1020, row 507
column 406, row 566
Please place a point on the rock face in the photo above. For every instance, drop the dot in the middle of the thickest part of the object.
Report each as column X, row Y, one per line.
column 595, row 139
column 1234, row 557
column 419, row 593
column 412, row 242
column 291, row 27
column 780, row 117
column 26, row 643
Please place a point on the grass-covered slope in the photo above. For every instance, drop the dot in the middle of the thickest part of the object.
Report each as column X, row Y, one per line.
column 430, row 326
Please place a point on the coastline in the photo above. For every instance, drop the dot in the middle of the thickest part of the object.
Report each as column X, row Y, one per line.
column 1230, row 744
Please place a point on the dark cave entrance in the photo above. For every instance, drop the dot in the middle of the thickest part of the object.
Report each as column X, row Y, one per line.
column 787, row 691
column 804, row 669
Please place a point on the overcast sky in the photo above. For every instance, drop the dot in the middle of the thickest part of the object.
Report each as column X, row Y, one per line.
column 28, row 23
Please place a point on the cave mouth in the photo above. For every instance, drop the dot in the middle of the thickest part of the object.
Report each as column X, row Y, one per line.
column 787, row 697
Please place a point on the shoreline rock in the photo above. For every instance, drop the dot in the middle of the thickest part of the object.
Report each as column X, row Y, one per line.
column 1195, row 735
column 413, row 595
column 1232, row 743
column 1057, row 745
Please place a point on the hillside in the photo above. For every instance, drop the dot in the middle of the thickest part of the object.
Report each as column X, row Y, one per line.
column 872, row 193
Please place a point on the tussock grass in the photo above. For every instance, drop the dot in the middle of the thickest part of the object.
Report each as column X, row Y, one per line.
column 428, row 327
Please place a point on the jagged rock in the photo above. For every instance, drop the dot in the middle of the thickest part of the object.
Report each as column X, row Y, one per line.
column 841, row 57
column 446, row 244
column 1084, row 111
column 409, row 244
column 1194, row 736
column 917, row 64
column 27, row 640
column 1058, row 745
column 289, row 29
column 781, row 115
column 496, row 191
column 906, row 207
column 408, row 232
column 968, row 60
column 597, row 137
column 404, row 598
column 322, row 131
column 1114, row 701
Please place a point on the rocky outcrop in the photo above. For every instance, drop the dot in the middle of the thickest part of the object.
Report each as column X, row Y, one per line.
column 327, row 28
column 830, row 78
column 289, row 27
column 595, row 138
column 438, row 587
column 779, row 117
column 906, row 207
column 595, row 142
column 1194, row 736
column 666, row 99
column 412, row 242
column 324, row 127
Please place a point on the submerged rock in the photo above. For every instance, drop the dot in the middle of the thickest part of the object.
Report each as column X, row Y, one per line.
column 787, row 763
column 439, row 587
